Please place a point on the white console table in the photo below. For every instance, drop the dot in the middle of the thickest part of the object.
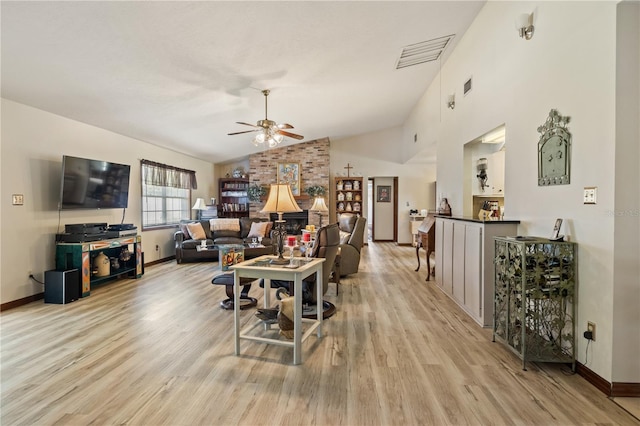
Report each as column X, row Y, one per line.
column 249, row 269
column 415, row 220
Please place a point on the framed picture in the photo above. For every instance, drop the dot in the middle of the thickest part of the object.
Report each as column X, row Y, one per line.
column 384, row 194
column 556, row 229
column 290, row 173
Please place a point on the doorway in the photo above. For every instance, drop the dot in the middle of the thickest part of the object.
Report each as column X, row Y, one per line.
column 383, row 208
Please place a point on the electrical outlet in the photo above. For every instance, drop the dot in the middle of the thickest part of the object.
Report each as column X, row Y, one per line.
column 590, row 193
column 30, row 274
column 17, row 199
column 157, row 247
column 591, row 327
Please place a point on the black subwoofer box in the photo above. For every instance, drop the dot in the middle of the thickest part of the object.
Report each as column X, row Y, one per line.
column 61, row 286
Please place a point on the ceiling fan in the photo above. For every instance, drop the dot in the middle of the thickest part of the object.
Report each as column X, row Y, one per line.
column 272, row 133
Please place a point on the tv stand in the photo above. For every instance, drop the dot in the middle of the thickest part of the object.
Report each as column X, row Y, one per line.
column 80, row 255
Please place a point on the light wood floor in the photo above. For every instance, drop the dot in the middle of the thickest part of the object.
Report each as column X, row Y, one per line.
column 159, row 350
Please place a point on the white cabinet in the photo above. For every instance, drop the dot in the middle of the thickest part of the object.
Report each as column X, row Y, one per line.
column 464, row 262
column 439, row 267
column 444, row 255
column 459, row 229
column 473, row 269
column 496, row 165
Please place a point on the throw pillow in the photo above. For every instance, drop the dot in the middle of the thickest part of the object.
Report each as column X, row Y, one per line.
column 224, row 224
column 196, row 231
column 344, row 237
column 258, row 229
column 185, row 230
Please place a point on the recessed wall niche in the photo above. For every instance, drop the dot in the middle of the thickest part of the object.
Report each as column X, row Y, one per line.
column 484, row 165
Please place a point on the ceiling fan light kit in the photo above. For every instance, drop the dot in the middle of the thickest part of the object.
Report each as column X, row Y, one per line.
column 269, row 138
column 271, row 133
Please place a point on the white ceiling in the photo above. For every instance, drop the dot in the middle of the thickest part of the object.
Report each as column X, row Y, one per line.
column 180, row 74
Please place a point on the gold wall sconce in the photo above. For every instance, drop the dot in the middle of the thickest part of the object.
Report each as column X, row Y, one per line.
column 525, row 26
column 451, row 103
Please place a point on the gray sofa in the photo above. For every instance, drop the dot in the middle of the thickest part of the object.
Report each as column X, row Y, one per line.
column 186, row 250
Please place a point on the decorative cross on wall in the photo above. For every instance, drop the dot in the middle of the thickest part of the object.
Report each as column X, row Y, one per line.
column 348, row 167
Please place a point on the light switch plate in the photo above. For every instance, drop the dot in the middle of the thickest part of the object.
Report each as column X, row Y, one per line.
column 590, row 193
column 17, row 199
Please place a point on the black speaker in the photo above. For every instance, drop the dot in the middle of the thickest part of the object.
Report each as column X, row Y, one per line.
column 61, row 286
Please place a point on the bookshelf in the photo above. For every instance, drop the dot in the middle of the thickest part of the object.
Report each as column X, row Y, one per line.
column 234, row 201
column 349, row 198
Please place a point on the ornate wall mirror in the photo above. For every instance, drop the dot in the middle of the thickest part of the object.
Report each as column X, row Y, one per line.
column 554, row 150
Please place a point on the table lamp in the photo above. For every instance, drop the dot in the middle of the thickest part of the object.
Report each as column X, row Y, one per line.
column 199, row 205
column 280, row 200
column 319, row 206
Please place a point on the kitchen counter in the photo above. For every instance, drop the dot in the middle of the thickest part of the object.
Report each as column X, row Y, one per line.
column 464, row 261
column 476, row 220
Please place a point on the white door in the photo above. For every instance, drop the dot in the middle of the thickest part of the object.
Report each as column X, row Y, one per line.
column 383, row 209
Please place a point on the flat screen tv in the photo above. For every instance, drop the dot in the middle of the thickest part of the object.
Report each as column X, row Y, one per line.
column 93, row 184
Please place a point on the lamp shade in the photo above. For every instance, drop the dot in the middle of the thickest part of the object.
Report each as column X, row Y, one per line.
column 199, row 205
column 280, row 200
column 319, row 205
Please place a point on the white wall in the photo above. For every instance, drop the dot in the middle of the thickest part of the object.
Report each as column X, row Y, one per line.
column 32, row 145
column 377, row 154
column 626, row 330
column 518, row 82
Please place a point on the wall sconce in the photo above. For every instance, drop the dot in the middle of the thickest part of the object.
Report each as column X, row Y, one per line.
column 451, row 103
column 525, row 27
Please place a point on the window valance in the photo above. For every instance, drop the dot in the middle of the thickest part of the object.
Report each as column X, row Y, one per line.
column 164, row 175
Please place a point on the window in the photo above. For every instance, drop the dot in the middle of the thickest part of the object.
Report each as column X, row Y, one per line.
column 162, row 205
column 166, row 194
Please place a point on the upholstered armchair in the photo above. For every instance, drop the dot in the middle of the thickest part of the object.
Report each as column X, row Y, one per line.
column 325, row 246
column 352, row 229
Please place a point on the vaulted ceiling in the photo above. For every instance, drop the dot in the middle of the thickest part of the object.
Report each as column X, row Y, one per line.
column 181, row 74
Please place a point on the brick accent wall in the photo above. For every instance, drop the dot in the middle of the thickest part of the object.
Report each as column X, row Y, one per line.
column 313, row 157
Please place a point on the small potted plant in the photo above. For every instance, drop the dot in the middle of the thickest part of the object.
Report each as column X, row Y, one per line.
column 315, row 191
column 255, row 192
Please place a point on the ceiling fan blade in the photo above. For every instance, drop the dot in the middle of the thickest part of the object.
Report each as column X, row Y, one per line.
column 291, row 135
column 246, row 124
column 244, row 131
column 285, row 126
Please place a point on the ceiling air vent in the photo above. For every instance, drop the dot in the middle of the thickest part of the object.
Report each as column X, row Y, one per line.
column 425, row 51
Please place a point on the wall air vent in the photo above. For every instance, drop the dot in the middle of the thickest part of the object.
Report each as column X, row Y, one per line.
column 467, row 86
column 422, row 52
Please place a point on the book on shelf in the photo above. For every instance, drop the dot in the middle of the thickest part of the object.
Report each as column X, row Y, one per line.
column 234, row 185
column 234, row 207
